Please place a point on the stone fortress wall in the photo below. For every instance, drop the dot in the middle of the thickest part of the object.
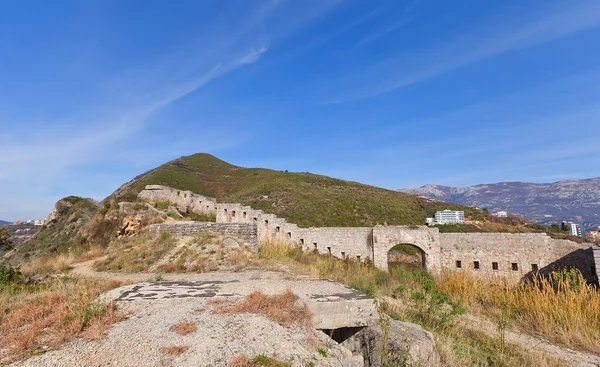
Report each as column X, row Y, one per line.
column 243, row 232
column 485, row 254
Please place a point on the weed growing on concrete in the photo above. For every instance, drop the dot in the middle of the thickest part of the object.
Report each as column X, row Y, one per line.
column 285, row 308
column 258, row 361
column 184, row 328
column 174, row 350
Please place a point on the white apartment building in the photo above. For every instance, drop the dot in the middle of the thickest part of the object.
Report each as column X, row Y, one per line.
column 449, row 216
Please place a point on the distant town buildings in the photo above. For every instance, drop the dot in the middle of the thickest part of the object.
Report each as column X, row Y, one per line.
column 446, row 217
column 500, row 214
column 38, row 222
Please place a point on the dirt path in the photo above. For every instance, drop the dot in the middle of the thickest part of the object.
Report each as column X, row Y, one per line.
column 573, row 357
column 86, row 269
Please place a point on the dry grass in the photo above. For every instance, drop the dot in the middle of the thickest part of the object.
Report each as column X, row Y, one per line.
column 285, row 308
column 137, row 253
column 51, row 265
column 174, row 350
column 258, row 361
column 90, row 254
column 564, row 309
column 184, row 328
column 46, row 316
column 363, row 277
column 207, row 253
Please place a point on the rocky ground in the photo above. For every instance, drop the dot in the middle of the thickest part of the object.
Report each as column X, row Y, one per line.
column 152, row 308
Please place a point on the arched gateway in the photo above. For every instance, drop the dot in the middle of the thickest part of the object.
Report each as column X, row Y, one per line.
column 424, row 241
column 406, row 255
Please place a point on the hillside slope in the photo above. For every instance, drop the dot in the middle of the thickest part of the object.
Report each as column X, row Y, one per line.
column 576, row 200
column 62, row 230
column 302, row 198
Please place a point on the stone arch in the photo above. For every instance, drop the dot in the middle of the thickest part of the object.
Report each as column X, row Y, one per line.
column 406, row 255
column 426, row 239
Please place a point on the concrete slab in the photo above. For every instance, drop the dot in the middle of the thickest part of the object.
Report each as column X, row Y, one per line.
column 333, row 305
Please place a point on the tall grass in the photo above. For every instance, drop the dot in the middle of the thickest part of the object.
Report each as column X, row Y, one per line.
column 361, row 276
column 563, row 307
column 36, row 317
column 136, row 254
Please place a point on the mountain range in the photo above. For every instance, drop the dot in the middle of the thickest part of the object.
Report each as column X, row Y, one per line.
column 572, row 200
column 3, row 222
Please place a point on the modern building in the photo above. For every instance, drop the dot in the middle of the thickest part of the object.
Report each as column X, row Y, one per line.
column 500, row 214
column 449, row 216
column 575, row 229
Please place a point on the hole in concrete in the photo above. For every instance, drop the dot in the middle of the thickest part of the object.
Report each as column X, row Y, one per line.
column 342, row 334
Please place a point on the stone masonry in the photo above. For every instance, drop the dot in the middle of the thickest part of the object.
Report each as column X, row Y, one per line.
column 243, row 232
column 499, row 255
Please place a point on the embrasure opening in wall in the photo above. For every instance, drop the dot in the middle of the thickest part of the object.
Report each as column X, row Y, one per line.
column 406, row 255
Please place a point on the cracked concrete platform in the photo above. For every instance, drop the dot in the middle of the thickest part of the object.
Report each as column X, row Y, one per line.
column 333, row 305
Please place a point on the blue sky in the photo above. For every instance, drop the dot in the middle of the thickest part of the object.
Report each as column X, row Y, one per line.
column 390, row 93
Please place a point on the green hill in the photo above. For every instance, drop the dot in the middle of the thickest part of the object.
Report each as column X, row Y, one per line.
column 302, row 198
column 63, row 231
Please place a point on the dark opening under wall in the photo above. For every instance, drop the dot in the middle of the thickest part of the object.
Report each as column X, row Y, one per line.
column 342, row 334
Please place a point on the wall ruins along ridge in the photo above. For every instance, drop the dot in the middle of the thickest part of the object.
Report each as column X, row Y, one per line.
column 505, row 256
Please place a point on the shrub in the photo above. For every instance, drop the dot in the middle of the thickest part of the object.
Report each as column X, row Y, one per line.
column 9, row 274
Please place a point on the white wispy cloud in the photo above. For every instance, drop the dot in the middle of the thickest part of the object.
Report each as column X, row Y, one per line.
column 407, row 14
column 560, row 20
column 253, row 55
column 36, row 155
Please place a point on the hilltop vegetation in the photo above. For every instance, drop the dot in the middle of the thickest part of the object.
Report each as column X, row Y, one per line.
column 302, row 198
column 63, row 229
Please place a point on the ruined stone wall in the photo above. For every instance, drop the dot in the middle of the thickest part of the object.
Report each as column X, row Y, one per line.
column 510, row 257
column 442, row 250
column 243, row 232
column 185, row 201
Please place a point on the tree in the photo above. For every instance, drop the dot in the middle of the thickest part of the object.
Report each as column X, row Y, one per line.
column 5, row 242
